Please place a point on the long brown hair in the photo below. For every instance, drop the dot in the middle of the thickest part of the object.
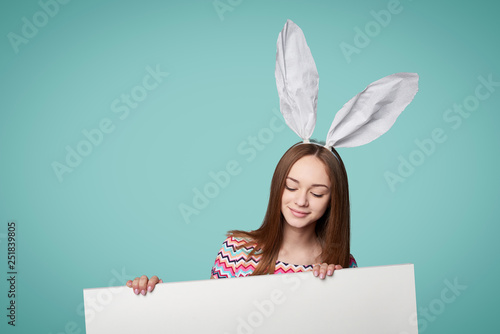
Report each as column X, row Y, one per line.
column 332, row 229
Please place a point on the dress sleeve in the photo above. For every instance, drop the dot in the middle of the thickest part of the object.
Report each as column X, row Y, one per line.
column 231, row 262
column 220, row 269
column 352, row 262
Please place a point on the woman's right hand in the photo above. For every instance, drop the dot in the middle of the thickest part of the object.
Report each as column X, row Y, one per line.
column 143, row 285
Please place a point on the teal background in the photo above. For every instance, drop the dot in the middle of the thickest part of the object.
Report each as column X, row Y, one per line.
column 116, row 215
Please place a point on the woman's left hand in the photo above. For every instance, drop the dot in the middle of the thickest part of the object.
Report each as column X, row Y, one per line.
column 321, row 270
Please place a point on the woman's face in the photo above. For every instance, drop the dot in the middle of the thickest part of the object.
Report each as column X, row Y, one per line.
column 307, row 192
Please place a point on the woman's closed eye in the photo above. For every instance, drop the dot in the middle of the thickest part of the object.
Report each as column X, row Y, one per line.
column 312, row 193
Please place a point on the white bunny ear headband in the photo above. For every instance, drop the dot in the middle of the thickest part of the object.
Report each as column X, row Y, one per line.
column 363, row 119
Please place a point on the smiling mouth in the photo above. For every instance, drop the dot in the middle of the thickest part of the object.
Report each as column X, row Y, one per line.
column 298, row 214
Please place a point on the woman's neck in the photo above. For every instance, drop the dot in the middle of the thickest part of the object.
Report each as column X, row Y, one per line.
column 299, row 245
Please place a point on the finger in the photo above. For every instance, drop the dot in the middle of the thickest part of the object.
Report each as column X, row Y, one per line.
column 316, row 269
column 322, row 270
column 152, row 282
column 331, row 269
column 143, row 282
column 161, row 281
column 135, row 285
column 338, row 266
column 129, row 283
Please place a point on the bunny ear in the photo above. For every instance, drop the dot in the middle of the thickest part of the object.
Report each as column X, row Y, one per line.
column 372, row 112
column 297, row 80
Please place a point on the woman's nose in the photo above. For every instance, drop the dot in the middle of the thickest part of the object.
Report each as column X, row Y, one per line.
column 301, row 198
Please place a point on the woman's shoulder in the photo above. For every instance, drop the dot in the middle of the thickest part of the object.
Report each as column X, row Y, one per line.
column 238, row 244
column 233, row 259
column 236, row 239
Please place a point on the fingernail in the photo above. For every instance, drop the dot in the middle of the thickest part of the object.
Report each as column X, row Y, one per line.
column 329, row 272
column 143, row 292
column 322, row 276
column 136, row 291
column 150, row 288
column 316, row 273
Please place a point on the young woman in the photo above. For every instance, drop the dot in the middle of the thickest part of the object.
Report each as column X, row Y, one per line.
column 306, row 226
column 307, row 223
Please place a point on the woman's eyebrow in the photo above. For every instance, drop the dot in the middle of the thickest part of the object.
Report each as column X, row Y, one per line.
column 314, row 185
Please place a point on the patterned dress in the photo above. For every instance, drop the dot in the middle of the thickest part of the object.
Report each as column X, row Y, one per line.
column 233, row 263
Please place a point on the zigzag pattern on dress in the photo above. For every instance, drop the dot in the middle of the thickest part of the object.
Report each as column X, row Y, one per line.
column 231, row 262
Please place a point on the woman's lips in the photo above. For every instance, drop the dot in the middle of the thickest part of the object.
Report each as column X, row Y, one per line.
column 298, row 214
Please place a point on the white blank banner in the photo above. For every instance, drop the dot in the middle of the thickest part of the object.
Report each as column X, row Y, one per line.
column 356, row 300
